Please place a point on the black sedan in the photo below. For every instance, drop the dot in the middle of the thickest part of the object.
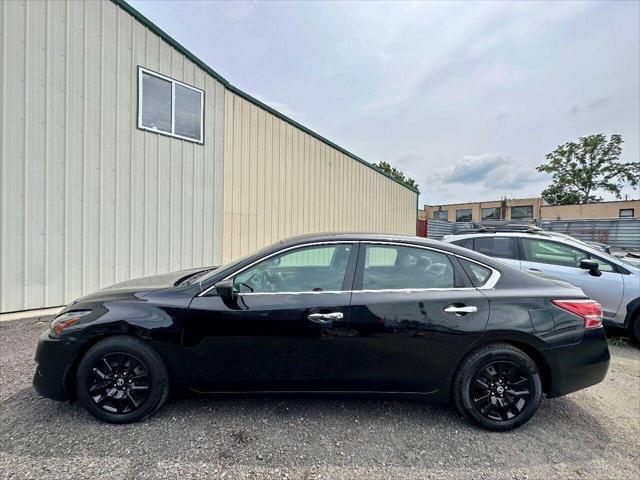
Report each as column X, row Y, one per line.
column 348, row 313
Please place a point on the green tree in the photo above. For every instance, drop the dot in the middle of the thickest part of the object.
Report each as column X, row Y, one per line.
column 582, row 168
column 397, row 174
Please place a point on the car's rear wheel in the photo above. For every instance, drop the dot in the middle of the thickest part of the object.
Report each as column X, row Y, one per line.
column 498, row 387
column 121, row 380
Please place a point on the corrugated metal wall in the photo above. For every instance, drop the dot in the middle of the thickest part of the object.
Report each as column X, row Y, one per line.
column 86, row 198
column 616, row 232
column 436, row 229
column 280, row 181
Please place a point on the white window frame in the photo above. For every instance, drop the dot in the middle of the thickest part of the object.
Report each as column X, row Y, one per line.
column 142, row 70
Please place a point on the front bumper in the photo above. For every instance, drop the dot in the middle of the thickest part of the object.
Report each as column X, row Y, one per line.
column 54, row 360
column 578, row 366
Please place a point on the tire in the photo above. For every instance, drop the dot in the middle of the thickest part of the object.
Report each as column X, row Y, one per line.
column 122, row 380
column 635, row 329
column 506, row 406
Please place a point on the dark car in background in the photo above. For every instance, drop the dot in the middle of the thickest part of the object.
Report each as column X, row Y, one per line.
column 341, row 313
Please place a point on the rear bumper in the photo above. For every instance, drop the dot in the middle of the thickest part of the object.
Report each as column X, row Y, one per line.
column 54, row 360
column 580, row 365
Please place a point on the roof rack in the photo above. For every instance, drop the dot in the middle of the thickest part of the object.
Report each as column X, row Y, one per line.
column 522, row 228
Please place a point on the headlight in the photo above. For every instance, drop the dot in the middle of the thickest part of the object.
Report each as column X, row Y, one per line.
column 66, row 320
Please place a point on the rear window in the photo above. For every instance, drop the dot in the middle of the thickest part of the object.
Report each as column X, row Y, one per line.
column 478, row 274
column 466, row 243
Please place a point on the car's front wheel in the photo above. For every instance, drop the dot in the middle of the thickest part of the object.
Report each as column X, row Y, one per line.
column 635, row 328
column 121, row 380
column 498, row 387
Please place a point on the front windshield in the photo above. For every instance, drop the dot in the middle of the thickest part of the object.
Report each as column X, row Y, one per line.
column 569, row 237
column 231, row 264
column 622, row 260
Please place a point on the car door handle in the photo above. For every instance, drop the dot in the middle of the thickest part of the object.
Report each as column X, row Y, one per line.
column 461, row 310
column 534, row 270
column 325, row 318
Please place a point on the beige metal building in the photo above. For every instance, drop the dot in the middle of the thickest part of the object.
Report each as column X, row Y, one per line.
column 123, row 155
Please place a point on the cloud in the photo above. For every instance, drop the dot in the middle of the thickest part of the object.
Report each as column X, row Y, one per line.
column 474, row 168
column 595, row 104
column 599, row 103
column 282, row 108
column 484, row 177
column 515, row 180
column 237, row 11
column 423, row 84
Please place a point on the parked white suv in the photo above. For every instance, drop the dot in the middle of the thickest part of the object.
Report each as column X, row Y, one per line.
column 606, row 278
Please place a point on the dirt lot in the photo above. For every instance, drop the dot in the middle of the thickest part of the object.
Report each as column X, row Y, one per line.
column 590, row 434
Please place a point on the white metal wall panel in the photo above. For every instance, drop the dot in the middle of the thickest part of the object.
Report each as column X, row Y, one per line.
column 86, row 198
column 279, row 181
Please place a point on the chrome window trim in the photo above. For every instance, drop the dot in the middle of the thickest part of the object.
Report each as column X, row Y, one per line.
column 415, row 290
column 391, row 290
column 488, row 285
column 320, row 292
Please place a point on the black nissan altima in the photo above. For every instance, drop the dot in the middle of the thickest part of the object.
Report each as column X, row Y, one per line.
column 345, row 313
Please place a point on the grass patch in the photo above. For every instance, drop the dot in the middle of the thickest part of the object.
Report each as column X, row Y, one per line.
column 620, row 341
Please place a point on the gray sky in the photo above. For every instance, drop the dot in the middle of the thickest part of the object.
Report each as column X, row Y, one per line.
column 467, row 98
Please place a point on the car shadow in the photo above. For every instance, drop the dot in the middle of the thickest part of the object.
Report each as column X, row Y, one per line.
column 290, row 431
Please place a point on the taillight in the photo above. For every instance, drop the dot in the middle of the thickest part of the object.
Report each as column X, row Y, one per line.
column 590, row 310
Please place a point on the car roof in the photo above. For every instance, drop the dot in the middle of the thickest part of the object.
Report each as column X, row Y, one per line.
column 462, row 235
column 361, row 237
column 384, row 237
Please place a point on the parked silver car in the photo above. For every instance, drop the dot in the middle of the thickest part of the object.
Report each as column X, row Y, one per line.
column 610, row 280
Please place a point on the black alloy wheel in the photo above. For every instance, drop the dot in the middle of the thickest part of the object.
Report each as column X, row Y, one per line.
column 500, row 391
column 497, row 387
column 119, row 382
column 122, row 379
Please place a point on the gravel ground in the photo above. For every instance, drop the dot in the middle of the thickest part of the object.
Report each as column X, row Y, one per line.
column 590, row 434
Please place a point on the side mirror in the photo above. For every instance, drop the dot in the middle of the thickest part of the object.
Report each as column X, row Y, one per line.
column 225, row 289
column 592, row 266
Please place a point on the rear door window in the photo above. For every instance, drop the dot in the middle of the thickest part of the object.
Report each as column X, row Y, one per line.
column 393, row 267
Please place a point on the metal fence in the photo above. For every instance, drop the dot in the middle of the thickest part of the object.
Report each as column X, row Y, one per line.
column 616, row 232
column 437, row 229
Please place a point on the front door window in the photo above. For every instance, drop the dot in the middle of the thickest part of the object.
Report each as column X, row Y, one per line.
column 542, row 251
column 311, row 269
